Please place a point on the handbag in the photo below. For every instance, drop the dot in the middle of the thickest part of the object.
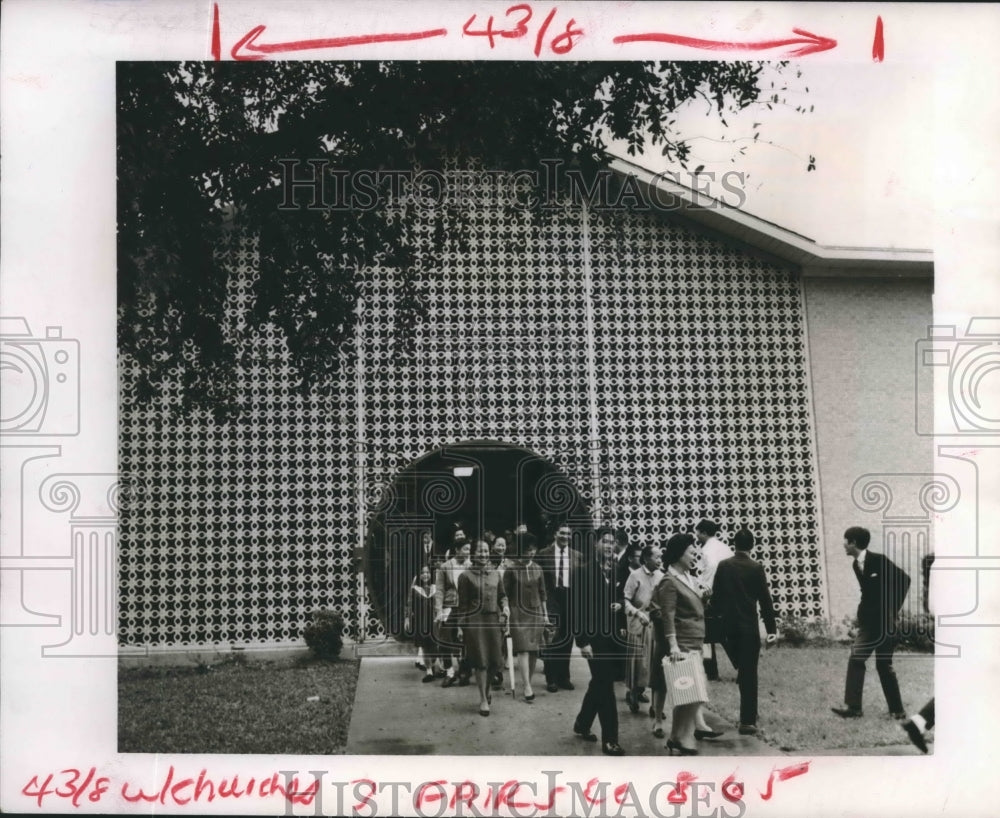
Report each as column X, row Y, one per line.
column 686, row 682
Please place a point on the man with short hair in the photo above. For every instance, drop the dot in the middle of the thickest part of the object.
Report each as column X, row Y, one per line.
column 883, row 588
column 739, row 588
column 625, row 558
column 713, row 551
column 595, row 610
column 559, row 563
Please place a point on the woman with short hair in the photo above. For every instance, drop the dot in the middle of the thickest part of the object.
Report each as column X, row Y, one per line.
column 637, row 595
column 525, row 588
column 483, row 615
column 680, row 631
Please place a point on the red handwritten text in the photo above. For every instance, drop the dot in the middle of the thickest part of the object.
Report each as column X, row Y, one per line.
column 732, row 790
column 783, row 775
column 204, row 788
column 678, row 795
column 805, row 42
column 518, row 17
column 177, row 789
column 69, row 786
column 878, row 46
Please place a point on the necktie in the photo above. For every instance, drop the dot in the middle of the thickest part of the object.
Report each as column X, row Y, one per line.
column 559, row 576
column 857, row 571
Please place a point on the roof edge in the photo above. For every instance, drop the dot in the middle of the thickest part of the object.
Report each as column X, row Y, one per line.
column 697, row 206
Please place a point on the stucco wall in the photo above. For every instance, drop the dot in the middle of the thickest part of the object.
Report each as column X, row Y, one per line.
column 862, row 335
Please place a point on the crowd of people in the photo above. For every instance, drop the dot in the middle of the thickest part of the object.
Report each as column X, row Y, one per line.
column 648, row 616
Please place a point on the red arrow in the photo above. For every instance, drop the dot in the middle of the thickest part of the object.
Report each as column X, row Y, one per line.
column 810, row 43
column 249, row 42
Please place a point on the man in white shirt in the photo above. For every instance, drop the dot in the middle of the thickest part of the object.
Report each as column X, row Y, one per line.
column 713, row 551
column 559, row 562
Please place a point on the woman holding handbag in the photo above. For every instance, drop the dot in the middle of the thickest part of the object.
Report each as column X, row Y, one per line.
column 680, row 631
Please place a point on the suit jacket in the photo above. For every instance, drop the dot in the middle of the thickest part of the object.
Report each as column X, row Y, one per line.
column 884, row 586
column 430, row 559
column 592, row 621
column 623, row 571
column 678, row 611
column 480, row 593
column 446, row 584
column 740, row 586
column 546, row 559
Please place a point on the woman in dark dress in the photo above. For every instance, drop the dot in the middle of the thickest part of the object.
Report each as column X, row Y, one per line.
column 482, row 617
column 525, row 589
column 420, row 617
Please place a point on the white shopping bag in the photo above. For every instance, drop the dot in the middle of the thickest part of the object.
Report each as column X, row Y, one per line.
column 686, row 682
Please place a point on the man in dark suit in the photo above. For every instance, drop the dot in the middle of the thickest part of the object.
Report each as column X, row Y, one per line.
column 594, row 623
column 739, row 587
column 883, row 589
column 559, row 563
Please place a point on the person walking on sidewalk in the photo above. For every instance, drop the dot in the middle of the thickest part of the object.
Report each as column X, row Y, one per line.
column 559, row 563
column 446, row 611
column 713, row 551
column 594, row 624
column 740, row 586
column 679, row 621
column 525, row 589
column 483, row 615
column 420, row 621
column 636, row 597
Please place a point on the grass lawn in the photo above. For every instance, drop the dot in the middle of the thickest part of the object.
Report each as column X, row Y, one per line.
column 798, row 686
column 238, row 707
column 263, row 707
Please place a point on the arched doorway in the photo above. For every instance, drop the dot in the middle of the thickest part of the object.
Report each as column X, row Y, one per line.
column 481, row 485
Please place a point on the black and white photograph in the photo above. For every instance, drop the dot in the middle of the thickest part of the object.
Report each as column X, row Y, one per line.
column 401, row 352
column 477, row 404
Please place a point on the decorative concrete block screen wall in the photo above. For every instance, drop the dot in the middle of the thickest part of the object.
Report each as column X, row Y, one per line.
column 662, row 372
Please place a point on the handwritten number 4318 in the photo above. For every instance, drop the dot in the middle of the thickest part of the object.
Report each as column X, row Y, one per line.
column 520, row 15
column 70, row 787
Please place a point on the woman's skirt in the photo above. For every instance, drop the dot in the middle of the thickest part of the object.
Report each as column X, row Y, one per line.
column 526, row 628
column 661, row 648
column 424, row 630
column 639, row 658
column 483, row 639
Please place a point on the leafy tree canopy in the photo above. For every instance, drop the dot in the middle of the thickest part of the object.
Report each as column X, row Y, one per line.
column 200, row 144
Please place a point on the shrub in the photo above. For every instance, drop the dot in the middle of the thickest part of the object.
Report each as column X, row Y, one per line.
column 816, row 631
column 915, row 631
column 325, row 634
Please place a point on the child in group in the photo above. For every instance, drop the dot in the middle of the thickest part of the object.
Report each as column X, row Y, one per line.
column 420, row 618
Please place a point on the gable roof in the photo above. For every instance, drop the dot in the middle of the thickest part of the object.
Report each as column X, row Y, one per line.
column 772, row 240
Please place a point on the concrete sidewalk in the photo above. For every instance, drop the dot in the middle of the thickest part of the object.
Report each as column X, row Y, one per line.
column 396, row 714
